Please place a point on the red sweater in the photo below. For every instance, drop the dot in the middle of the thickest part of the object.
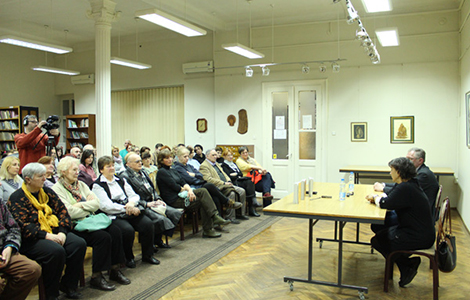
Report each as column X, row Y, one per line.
column 25, row 143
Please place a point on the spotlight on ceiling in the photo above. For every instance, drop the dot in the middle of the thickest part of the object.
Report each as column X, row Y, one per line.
column 305, row 69
column 352, row 13
column 335, row 67
column 265, row 71
column 361, row 34
column 248, row 72
column 322, row 68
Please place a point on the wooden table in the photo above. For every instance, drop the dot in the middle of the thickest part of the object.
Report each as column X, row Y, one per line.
column 377, row 172
column 354, row 209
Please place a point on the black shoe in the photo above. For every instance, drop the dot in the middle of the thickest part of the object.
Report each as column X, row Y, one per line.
column 411, row 272
column 242, row 217
column 161, row 244
column 71, row 294
column 101, row 284
column 210, row 234
column 130, row 263
column 155, row 249
column 257, row 204
column 252, row 212
column 116, row 275
column 235, row 221
column 221, row 229
column 151, row 260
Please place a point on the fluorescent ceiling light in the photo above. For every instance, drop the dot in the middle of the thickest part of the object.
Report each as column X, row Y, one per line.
column 170, row 22
column 129, row 63
column 17, row 41
column 388, row 37
column 243, row 50
column 55, row 70
column 373, row 6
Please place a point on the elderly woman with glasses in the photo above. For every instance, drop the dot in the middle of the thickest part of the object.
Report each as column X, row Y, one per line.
column 46, row 233
column 108, row 253
column 10, row 181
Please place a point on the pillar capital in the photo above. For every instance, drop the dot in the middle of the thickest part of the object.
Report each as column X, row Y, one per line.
column 102, row 11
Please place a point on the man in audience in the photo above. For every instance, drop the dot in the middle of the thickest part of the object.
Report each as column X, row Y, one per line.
column 124, row 151
column 21, row 272
column 76, row 152
column 158, row 147
column 32, row 143
column 212, row 172
column 143, row 186
column 426, row 179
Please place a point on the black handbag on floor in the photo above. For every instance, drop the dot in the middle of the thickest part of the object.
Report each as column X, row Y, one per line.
column 446, row 249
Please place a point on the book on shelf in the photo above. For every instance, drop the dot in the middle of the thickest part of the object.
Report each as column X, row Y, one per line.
column 8, row 125
column 75, row 144
column 6, row 136
column 84, row 123
column 83, row 135
column 8, row 114
column 75, row 134
column 72, row 124
column 7, row 146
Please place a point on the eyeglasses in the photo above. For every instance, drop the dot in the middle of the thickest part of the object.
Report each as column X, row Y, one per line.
column 33, row 122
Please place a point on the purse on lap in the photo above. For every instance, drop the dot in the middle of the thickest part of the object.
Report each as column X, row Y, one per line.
column 93, row 223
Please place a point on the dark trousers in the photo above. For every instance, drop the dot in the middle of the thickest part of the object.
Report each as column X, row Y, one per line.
column 146, row 230
column 390, row 220
column 204, row 200
column 107, row 247
column 265, row 184
column 52, row 257
column 22, row 275
column 385, row 243
column 216, row 195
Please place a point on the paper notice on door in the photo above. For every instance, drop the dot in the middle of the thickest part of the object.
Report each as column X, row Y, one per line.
column 280, row 122
column 280, row 134
column 307, row 122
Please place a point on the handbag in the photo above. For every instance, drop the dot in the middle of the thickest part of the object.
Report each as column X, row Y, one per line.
column 93, row 223
column 184, row 195
column 446, row 248
column 255, row 176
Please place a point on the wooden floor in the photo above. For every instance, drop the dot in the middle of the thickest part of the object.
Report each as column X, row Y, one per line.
column 255, row 270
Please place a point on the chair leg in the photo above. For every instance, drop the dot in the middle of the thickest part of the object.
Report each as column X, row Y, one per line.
column 82, row 276
column 181, row 223
column 435, row 281
column 166, row 239
column 388, row 272
column 194, row 221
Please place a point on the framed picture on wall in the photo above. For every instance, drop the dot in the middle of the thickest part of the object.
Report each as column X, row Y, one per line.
column 201, row 125
column 467, row 117
column 402, row 130
column 358, row 131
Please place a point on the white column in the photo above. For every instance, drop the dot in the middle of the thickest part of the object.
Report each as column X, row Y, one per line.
column 103, row 13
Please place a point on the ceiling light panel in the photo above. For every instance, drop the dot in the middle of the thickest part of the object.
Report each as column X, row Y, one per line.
column 129, row 63
column 373, row 6
column 27, row 43
column 170, row 22
column 55, row 70
column 243, row 50
column 388, row 37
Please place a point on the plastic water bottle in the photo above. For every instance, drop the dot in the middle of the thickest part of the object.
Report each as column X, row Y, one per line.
column 351, row 183
column 342, row 191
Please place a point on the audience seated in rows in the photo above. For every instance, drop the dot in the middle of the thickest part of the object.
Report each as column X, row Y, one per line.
column 87, row 174
column 191, row 159
column 75, row 152
column 108, row 254
column 118, row 162
column 126, row 149
column 10, row 181
column 51, row 178
column 47, row 235
column 147, row 163
column 158, row 147
column 199, row 155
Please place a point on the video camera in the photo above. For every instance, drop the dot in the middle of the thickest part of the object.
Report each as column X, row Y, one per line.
column 51, row 123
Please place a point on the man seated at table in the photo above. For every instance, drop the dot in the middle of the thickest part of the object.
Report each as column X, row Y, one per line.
column 426, row 179
column 213, row 173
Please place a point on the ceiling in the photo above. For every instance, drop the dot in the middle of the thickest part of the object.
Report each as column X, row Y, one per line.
column 66, row 22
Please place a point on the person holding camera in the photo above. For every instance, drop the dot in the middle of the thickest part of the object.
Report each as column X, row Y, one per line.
column 32, row 143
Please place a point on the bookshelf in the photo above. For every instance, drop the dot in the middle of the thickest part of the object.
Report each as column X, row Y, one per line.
column 11, row 123
column 81, row 130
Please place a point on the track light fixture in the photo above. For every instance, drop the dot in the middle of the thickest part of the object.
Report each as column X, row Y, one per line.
column 265, row 71
column 322, row 68
column 352, row 13
column 249, row 72
column 305, row 69
column 335, row 67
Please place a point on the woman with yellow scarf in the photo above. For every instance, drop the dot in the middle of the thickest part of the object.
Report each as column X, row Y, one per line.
column 46, row 233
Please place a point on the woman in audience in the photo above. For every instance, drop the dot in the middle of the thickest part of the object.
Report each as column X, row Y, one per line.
column 236, row 176
column 172, row 185
column 143, row 150
column 51, row 178
column 146, row 163
column 191, row 159
column 195, row 180
column 199, row 156
column 118, row 165
column 246, row 164
column 415, row 229
column 118, row 200
column 108, row 254
column 10, row 181
column 87, row 174
column 46, row 233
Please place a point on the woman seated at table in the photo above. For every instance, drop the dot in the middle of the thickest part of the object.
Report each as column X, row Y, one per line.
column 247, row 164
column 118, row 199
column 87, row 174
column 51, row 178
column 195, row 180
column 415, row 229
column 108, row 254
column 147, row 163
column 171, row 186
column 236, row 176
column 46, row 233
column 10, row 181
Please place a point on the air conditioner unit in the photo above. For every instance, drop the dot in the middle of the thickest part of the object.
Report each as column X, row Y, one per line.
column 83, row 79
column 199, row 67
